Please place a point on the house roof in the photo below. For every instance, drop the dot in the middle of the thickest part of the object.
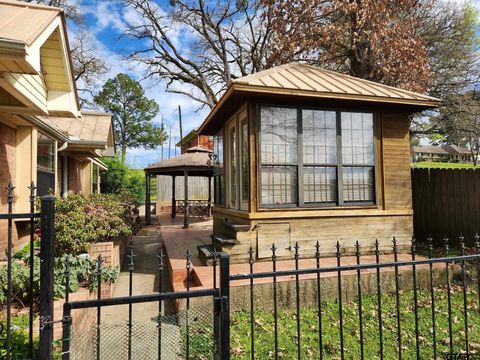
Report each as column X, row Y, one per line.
column 196, row 160
column 24, row 22
column 296, row 79
column 441, row 149
column 92, row 129
column 187, row 137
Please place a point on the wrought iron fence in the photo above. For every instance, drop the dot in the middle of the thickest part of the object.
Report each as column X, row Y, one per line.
column 165, row 336
column 45, row 298
column 423, row 328
column 419, row 321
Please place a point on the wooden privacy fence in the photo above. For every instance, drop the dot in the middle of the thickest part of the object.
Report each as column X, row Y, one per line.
column 197, row 188
column 446, row 202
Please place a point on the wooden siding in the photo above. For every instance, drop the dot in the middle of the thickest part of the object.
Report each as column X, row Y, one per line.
column 52, row 58
column 396, row 161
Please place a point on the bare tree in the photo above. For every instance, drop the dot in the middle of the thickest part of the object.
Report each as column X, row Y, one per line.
column 87, row 65
column 459, row 120
column 219, row 41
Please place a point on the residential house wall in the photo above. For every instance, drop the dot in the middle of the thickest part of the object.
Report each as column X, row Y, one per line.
column 7, row 164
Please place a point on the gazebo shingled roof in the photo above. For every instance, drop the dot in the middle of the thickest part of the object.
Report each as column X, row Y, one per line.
column 194, row 162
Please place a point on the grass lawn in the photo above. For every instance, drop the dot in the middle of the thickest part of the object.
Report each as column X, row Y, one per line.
column 441, row 165
column 264, row 325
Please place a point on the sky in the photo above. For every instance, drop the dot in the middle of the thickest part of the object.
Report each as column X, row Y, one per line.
column 105, row 21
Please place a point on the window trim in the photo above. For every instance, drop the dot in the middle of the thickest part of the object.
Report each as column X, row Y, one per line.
column 340, row 203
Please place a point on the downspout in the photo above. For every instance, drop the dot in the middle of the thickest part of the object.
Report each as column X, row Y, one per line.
column 64, row 180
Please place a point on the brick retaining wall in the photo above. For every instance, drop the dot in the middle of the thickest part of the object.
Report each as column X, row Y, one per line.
column 113, row 252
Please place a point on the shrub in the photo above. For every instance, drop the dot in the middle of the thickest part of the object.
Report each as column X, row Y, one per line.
column 82, row 272
column 85, row 219
column 120, row 179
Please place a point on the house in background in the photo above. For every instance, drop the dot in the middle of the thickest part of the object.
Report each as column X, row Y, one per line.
column 304, row 154
column 441, row 153
column 40, row 118
column 79, row 164
column 193, row 139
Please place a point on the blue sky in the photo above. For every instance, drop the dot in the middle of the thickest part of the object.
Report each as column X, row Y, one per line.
column 105, row 21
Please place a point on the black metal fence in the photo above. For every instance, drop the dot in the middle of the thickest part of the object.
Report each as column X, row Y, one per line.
column 421, row 320
column 45, row 297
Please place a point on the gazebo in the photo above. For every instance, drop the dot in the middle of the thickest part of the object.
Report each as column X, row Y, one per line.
column 196, row 161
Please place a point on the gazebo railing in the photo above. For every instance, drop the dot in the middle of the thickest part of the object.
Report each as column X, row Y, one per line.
column 196, row 208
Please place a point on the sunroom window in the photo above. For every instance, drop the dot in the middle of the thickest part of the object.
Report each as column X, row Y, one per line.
column 316, row 157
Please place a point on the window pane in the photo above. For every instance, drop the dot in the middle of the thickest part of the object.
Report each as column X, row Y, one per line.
column 319, row 137
column 278, row 135
column 233, row 165
column 320, row 184
column 218, row 153
column 45, row 152
column 279, row 185
column 218, row 189
column 244, row 160
column 357, row 139
column 358, row 184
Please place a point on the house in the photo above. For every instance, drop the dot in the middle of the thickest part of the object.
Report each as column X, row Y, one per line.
column 38, row 106
column 441, row 153
column 79, row 164
column 304, row 154
column 193, row 139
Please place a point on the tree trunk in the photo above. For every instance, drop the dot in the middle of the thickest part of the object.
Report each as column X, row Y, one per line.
column 124, row 154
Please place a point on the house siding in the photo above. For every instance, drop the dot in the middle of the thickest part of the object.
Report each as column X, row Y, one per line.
column 8, row 173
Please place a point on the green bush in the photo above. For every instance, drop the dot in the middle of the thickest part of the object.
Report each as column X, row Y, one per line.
column 19, row 340
column 82, row 272
column 85, row 219
column 120, row 179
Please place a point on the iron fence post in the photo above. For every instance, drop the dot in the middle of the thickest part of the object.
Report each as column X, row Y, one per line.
column 47, row 224
column 224, row 328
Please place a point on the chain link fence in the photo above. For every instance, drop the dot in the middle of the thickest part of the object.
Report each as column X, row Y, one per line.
column 188, row 331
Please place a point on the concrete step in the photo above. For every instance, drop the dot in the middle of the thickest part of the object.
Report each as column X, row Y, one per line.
column 224, row 241
column 237, row 227
column 205, row 253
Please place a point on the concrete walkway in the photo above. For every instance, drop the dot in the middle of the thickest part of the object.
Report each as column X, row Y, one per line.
column 114, row 331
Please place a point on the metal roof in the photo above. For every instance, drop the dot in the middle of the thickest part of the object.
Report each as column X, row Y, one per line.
column 308, row 81
column 302, row 77
column 24, row 22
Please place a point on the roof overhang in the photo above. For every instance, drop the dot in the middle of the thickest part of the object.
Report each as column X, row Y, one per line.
column 238, row 92
column 36, row 72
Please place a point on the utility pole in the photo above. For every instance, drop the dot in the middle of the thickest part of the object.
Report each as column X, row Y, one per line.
column 169, row 141
column 163, row 129
column 181, row 133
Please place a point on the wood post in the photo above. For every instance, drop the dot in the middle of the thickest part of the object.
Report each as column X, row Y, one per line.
column 209, row 208
column 185, row 207
column 148, row 216
column 174, row 201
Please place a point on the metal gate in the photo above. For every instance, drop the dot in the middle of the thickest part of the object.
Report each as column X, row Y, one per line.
column 47, row 220
column 165, row 336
